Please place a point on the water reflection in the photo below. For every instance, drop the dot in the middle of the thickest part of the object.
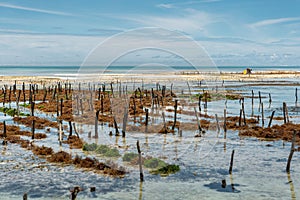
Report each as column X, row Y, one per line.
column 293, row 194
column 141, row 191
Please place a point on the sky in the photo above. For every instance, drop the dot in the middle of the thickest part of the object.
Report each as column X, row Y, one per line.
column 231, row 32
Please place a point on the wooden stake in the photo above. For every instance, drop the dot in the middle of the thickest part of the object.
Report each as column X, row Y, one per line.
column 116, row 127
column 218, row 125
column 32, row 108
column 225, row 121
column 175, row 114
column 147, row 120
column 4, row 129
column 231, row 162
column 205, row 100
column 240, row 119
column 296, row 95
column 271, row 118
column 140, row 162
column 75, row 130
column 287, row 114
column 125, row 120
column 60, row 132
column 291, row 153
column 199, row 103
column 33, row 129
column 244, row 115
column 283, row 111
column 96, row 123
column 252, row 99
column 198, row 121
column 61, row 107
column 70, row 129
column 262, row 115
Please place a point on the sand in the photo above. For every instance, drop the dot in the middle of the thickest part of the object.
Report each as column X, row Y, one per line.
column 161, row 77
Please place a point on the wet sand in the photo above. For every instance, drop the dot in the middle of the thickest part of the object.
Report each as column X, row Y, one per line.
column 161, row 77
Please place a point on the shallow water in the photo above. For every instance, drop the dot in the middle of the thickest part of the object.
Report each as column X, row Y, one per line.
column 258, row 169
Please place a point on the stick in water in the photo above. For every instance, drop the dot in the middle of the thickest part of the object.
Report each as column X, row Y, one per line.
column 231, row 162
column 291, row 153
column 140, row 161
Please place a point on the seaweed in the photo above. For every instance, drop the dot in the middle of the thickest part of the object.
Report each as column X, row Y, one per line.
column 89, row 147
column 154, row 163
column 128, row 157
column 166, row 170
column 101, row 149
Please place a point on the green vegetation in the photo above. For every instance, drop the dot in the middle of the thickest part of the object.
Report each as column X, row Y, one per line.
column 128, row 157
column 12, row 111
column 166, row 170
column 89, row 147
column 154, row 163
column 101, row 149
column 218, row 96
column 112, row 153
column 26, row 105
column 41, row 106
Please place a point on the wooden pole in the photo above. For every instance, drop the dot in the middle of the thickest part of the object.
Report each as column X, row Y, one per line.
column 231, row 162
column 125, row 120
column 262, row 115
column 32, row 108
column 33, row 129
column 271, row 118
column 287, row 114
column 259, row 96
column 96, row 123
column 23, row 89
column 240, row 119
column 283, row 111
column 4, row 129
column 252, row 101
column 140, row 162
column 75, row 130
column 291, row 153
column 60, row 132
column 146, row 123
column 296, row 95
column 198, row 121
column 61, row 107
column 70, row 129
column 116, row 127
column 218, row 125
column 199, row 103
column 225, row 121
column 205, row 100
column 175, row 114
column 244, row 115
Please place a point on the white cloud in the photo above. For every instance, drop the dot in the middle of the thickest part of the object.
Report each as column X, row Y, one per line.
column 6, row 5
column 175, row 5
column 269, row 22
column 163, row 5
column 17, row 31
column 190, row 21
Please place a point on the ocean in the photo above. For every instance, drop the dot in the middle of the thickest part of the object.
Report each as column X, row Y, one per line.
column 73, row 71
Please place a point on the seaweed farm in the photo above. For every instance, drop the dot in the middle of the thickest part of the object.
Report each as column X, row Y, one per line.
column 189, row 139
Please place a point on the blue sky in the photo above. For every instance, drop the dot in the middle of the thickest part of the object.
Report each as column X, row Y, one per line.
column 233, row 32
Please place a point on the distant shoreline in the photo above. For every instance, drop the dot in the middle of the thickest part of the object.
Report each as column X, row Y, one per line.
column 159, row 77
